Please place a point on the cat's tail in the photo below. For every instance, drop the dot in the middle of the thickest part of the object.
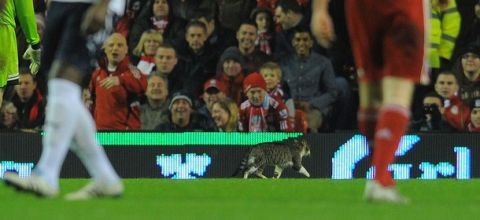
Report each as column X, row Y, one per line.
column 243, row 164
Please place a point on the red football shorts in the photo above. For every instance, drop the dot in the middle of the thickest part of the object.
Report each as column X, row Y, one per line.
column 388, row 38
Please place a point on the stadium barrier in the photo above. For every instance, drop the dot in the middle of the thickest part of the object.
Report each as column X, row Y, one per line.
column 217, row 155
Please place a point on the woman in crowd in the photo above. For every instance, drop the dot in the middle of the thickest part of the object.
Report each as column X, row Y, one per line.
column 146, row 49
column 155, row 15
column 225, row 115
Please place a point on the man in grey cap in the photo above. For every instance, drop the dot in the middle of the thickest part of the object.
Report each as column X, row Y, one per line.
column 183, row 116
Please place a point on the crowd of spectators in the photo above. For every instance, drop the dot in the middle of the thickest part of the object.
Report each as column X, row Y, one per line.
column 249, row 66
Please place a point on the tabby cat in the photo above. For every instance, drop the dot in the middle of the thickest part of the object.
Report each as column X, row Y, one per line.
column 278, row 154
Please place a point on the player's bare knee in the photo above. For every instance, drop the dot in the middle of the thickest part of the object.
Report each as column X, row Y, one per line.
column 370, row 95
column 397, row 91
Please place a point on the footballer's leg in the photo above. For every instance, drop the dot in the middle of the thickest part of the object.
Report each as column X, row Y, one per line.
column 105, row 181
column 1, row 95
column 375, row 192
column 8, row 56
column 62, row 44
column 33, row 184
column 403, row 49
column 393, row 119
column 62, row 117
column 370, row 101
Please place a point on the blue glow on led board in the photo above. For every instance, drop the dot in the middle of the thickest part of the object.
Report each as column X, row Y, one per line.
column 431, row 171
column 171, row 166
column 347, row 155
column 344, row 161
column 354, row 150
column 463, row 162
column 23, row 169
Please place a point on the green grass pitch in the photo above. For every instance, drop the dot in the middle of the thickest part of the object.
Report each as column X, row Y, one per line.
column 250, row 199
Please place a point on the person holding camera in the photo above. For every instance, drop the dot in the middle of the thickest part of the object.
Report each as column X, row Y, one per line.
column 430, row 118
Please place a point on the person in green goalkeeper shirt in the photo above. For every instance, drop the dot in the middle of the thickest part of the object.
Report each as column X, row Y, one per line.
column 23, row 11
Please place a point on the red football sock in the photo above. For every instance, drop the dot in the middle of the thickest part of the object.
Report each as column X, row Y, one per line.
column 367, row 120
column 392, row 123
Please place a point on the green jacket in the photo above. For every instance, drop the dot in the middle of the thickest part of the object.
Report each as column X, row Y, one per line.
column 444, row 29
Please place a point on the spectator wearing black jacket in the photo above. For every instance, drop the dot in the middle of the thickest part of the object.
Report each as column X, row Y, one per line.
column 252, row 55
column 289, row 15
column 199, row 60
column 185, row 11
column 167, row 64
column 231, row 14
column 430, row 118
column 467, row 70
column 29, row 102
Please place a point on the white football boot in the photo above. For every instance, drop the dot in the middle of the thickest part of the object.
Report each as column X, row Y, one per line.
column 32, row 184
column 375, row 192
column 96, row 190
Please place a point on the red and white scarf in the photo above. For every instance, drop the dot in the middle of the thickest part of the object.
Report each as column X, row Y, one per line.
column 277, row 92
column 263, row 41
column 257, row 121
column 258, row 116
column 146, row 64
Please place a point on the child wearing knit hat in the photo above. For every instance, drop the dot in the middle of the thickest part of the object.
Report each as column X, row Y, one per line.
column 260, row 112
column 255, row 88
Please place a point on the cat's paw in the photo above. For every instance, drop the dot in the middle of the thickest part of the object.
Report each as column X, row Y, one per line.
column 304, row 172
